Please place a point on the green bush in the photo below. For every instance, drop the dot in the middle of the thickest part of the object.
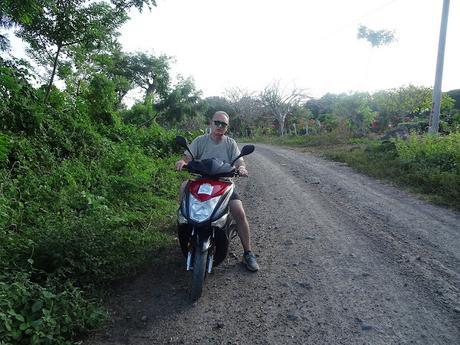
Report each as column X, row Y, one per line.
column 31, row 313
column 83, row 201
column 433, row 165
column 140, row 115
column 432, row 153
column 427, row 164
column 101, row 98
column 19, row 101
column 4, row 148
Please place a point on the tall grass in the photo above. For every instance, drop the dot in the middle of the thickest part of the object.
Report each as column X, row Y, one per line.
column 426, row 164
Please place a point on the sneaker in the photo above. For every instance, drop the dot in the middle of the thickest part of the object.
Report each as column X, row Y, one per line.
column 249, row 259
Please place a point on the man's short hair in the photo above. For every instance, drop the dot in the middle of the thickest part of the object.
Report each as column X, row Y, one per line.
column 221, row 112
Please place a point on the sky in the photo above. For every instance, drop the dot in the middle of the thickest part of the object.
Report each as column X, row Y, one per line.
column 312, row 45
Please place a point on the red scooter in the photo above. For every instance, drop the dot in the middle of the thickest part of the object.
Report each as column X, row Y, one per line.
column 205, row 225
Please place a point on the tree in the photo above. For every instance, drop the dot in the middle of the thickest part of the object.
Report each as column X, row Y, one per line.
column 244, row 102
column 118, row 69
column 116, row 66
column 217, row 103
column 140, row 114
column 19, row 111
column 323, row 105
column 183, row 101
column 13, row 12
column 280, row 102
column 101, row 99
column 125, row 5
column 246, row 106
column 356, row 111
column 62, row 24
column 150, row 73
column 78, row 71
column 376, row 38
column 455, row 95
column 59, row 25
column 405, row 104
column 127, row 71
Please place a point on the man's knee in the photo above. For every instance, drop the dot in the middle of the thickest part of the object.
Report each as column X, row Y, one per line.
column 237, row 210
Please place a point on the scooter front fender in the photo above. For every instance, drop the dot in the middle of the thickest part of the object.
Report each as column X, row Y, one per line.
column 203, row 242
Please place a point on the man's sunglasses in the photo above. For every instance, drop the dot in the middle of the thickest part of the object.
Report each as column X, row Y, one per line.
column 220, row 123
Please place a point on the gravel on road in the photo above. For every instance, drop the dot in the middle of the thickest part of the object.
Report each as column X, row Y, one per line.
column 345, row 259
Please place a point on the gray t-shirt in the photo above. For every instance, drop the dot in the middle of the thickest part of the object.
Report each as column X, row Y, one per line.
column 204, row 147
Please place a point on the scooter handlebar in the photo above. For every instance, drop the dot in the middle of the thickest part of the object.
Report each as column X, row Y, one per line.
column 236, row 173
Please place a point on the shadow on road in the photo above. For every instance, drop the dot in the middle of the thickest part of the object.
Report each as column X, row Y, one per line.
column 136, row 304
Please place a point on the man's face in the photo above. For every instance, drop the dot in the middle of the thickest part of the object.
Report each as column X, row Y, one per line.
column 219, row 125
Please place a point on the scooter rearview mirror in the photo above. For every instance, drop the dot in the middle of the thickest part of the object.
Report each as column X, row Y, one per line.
column 247, row 149
column 183, row 142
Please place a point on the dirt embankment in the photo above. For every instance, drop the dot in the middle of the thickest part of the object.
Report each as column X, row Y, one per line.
column 344, row 260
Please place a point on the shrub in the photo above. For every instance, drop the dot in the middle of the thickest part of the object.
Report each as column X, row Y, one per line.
column 101, row 98
column 20, row 108
column 141, row 115
column 432, row 153
column 83, row 201
column 4, row 148
column 34, row 314
column 426, row 164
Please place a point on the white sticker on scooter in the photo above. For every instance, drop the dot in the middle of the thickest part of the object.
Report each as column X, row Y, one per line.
column 205, row 188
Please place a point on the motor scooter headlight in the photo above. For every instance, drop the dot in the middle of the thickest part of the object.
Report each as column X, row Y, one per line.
column 201, row 210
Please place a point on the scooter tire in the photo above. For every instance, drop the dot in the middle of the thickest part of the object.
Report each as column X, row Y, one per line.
column 199, row 273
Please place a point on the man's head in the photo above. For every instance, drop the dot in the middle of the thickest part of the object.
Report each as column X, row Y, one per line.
column 219, row 123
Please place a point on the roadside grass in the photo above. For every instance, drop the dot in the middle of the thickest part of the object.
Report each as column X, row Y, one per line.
column 69, row 232
column 426, row 165
column 85, row 200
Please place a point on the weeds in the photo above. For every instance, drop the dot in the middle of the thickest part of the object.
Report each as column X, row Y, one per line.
column 82, row 202
column 428, row 165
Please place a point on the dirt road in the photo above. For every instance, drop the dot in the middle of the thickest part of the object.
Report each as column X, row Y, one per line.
column 344, row 260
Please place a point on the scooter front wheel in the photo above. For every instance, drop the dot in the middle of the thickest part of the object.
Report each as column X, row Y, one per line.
column 199, row 273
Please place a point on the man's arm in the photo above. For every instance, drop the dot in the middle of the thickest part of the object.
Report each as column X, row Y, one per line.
column 241, row 167
column 183, row 161
column 186, row 158
column 239, row 163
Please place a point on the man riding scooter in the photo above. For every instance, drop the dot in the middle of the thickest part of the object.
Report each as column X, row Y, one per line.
column 218, row 145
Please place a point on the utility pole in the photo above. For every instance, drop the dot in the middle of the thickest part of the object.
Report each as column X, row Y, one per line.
column 436, row 104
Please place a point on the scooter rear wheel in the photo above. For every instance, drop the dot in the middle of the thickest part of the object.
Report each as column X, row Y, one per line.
column 199, row 273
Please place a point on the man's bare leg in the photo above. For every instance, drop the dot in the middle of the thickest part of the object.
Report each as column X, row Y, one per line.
column 242, row 225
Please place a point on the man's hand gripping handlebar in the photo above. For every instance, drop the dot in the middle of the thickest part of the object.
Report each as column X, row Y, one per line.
column 181, row 164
